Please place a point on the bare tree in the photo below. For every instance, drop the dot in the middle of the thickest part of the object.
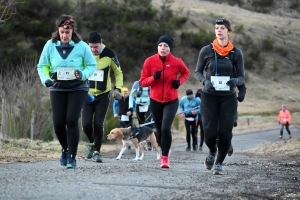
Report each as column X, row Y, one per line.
column 7, row 9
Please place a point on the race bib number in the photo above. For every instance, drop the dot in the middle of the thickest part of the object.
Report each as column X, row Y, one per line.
column 143, row 108
column 124, row 118
column 219, row 82
column 66, row 73
column 98, row 75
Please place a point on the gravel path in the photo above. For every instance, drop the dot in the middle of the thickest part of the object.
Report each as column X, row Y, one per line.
column 247, row 177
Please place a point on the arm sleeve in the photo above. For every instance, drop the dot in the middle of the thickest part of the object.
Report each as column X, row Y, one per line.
column 239, row 62
column 133, row 91
column 43, row 67
column 198, row 104
column 146, row 78
column 200, row 66
column 89, row 62
column 115, row 66
column 181, row 105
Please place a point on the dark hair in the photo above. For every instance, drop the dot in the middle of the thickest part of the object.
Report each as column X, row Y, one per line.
column 225, row 22
column 61, row 21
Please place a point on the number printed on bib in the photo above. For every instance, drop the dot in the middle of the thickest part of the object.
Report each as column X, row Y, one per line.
column 124, row 118
column 219, row 83
column 66, row 73
column 98, row 75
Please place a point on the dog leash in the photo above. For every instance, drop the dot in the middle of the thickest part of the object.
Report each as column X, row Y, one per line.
column 187, row 110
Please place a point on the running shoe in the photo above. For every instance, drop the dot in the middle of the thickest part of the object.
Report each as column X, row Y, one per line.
column 164, row 162
column 290, row 136
column 230, row 150
column 89, row 150
column 64, row 157
column 280, row 137
column 194, row 147
column 71, row 162
column 188, row 149
column 218, row 169
column 200, row 148
column 209, row 161
column 97, row 156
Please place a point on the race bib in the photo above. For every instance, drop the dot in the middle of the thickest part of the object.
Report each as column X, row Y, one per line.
column 66, row 73
column 285, row 119
column 98, row 75
column 219, row 82
column 143, row 108
column 124, row 118
column 190, row 118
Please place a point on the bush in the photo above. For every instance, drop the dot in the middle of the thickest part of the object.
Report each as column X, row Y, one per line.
column 268, row 43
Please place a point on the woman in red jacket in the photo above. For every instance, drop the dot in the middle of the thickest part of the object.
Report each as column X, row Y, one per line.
column 160, row 72
column 284, row 119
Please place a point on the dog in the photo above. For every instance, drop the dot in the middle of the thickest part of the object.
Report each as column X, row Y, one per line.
column 136, row 135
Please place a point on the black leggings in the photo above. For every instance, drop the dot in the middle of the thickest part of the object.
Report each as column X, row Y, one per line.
column 286, row 127
column 66, row 107
column 93, row 116
column 164, row 114
column 190, row 127
column 218, row 116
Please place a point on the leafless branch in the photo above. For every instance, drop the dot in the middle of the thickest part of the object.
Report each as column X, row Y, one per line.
column 7, row 9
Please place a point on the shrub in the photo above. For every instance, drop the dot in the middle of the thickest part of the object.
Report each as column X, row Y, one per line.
column 294, row 4
column 268, row 43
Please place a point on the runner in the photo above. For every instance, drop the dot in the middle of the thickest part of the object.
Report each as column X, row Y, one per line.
column 160, row 72
column 284, row 119
column 65, row 64
column 218, row 99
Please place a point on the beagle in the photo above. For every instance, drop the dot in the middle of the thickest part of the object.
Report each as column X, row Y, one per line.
column 138, row 136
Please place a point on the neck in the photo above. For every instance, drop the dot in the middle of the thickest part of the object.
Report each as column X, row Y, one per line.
column 223, row 42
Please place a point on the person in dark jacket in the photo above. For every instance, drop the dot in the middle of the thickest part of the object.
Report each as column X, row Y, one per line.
column 220, row 75
column 160, row 72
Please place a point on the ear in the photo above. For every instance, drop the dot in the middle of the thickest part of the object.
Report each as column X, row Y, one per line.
column 119, row 135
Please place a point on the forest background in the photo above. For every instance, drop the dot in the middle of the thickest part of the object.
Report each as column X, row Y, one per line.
column 266, row 31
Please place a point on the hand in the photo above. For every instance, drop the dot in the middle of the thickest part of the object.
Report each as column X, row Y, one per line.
column 208, row 86
column 194, row 112
column 232, row 83
column 116, row 115
column 157, row 74
column 176, row 84
column 78, row 74
column 182, row 115
column 128, row 113
column 235, row 124
column 117, row 94
column 48, row 83
column 240, row 99
column 196, row 122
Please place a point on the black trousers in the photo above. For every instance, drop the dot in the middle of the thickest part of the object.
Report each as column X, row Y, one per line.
column 218, row 116
column 286, row 127
column 93, row 116
column 191, row 129
column 164, row 114
column 66, row 107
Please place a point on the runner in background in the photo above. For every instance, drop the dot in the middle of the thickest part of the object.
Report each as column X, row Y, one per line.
column 284, row 119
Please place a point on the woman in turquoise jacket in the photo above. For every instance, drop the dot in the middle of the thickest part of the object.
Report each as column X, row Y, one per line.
column 64, row 66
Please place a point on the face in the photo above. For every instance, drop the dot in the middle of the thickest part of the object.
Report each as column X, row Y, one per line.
column 125, row 94
column 163, row 49
column 221, row 32
column 95, row 48
column 190, row 96
column 65, row 34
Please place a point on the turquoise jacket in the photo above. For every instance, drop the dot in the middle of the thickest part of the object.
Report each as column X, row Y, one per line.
column 80, row 58
column 142, row 97
column 187, row 105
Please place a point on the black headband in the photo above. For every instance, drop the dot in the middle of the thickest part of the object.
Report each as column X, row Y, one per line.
column 222, row 22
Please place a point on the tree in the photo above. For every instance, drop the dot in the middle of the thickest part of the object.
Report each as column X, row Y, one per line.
column 7, row 9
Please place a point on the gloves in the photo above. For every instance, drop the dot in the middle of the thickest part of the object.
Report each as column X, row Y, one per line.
column 48, row 83
column 208, row 86
column 78, row 74
column 90, row 98
column 157, row 74
column 176, row 84
column 240, row 99
column 194, row 112
column 235, row 124
column 117, row 94
column 232, row 83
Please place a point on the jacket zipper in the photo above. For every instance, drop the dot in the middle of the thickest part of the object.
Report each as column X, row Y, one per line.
column 163, row 81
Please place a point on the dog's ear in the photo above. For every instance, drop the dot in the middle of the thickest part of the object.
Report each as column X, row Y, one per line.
column 119, row 134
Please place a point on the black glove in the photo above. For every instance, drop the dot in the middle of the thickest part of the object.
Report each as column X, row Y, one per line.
column 235, row 124
column 176, row 84
column 208, row 86
column 232, row 83
column 240, row 99
column 157, row 74
column 48, row 83
column 78, row 72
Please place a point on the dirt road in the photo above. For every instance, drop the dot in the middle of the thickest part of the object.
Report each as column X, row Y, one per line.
column 247, row 177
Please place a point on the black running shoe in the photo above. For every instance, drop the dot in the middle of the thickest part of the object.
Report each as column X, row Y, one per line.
column 188, row 149
column 209, row 161
column 64, row 157
column 218, row 169
column 230, row 151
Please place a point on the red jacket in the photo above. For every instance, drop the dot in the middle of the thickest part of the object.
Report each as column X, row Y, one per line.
column 161, row 90
column 284, row 117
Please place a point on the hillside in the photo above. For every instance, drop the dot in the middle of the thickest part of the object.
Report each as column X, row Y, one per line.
column 273, row 83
